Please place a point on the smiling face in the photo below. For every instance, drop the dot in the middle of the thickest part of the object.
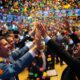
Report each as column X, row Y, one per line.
column 11, row 42
column 4, row 48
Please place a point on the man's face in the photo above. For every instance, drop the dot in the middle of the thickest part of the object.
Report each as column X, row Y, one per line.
column 4, row 48
column 11, row 42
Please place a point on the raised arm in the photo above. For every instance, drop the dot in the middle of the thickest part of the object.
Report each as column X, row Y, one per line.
column 74, row 64
column 9, row 70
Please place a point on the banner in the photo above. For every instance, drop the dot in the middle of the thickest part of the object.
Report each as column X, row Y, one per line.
column 63, row 12
column 39, row 14
column 15, row 18
column 69, row 13
column 77, row 11
column 9, row 18
column 4, row 19
column 58, row 13
column 1, row 16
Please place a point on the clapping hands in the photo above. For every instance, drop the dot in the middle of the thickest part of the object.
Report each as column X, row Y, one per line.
column 37, row 38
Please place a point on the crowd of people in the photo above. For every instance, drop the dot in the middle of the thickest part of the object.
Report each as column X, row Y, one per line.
column 39, row 39
column 38, row 8
column 12, row 44
column 27, row 5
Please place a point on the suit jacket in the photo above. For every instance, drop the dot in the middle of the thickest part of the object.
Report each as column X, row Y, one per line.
column 22, row 42
column 75, row 38
column 68, row 74
column 9, row 70
column 74, row 64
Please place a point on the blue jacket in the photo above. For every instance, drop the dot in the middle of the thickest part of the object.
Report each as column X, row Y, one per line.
column 23, row 59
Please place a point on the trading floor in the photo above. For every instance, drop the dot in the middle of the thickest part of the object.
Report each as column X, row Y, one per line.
column 59, row 69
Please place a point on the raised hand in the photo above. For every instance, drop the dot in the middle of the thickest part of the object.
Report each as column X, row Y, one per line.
column 43, row 30
column 34, row 28
column 38, row 38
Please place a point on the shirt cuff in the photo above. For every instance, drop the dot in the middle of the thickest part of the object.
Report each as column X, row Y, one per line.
column 32, row 53
column 29, row 44
column 47, row 39
column 28, row 35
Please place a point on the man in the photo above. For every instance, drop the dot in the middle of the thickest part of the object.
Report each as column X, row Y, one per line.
column 74, row 64
column 11, row 41
column 10, row 68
